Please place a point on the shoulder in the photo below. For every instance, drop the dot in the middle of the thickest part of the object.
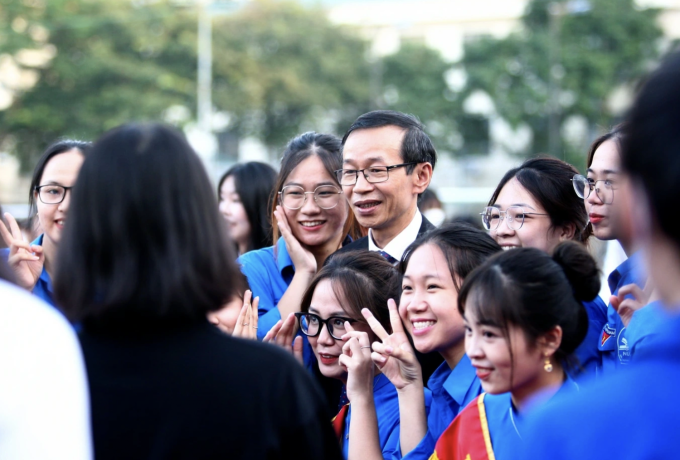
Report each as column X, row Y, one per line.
column 257, row 256
column 357, row 245
column 425, row 226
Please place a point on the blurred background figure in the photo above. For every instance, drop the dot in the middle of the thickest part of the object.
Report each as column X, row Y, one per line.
column 244, row 196
column 140, row 268
column 430, row 206
column 44, row 409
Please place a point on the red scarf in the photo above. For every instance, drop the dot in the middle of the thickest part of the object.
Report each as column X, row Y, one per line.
column 338, row 422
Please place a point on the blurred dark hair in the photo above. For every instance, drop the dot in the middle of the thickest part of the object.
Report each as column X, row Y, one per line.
column 548, row 180
column 530, row 289
column 416, row 146
column 327, row 148
column 254, row 183
column 61, row 146
column 145, row 241
column 469, row 220
column 651, row 147
column 464, row 247
column 360, row 279
column 616, row 135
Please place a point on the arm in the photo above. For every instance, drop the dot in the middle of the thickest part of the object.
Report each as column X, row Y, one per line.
column 364, row 440
column 396, row 359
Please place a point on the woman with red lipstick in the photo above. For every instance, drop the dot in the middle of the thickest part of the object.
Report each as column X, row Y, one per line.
column 524, row 318
column 49, row 199
column 433, row 268
column 312, row 221
column 534, row 206
column 331, row 317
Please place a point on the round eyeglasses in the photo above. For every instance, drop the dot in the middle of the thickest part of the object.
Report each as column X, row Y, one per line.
column 583, row 186
column 52, row 194
column 295, row 197
column 311, row 324
column 514, row 217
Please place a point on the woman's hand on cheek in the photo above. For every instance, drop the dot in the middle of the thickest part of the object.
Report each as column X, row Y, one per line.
column 303, row 260
column 394, row 355
column 356, row 358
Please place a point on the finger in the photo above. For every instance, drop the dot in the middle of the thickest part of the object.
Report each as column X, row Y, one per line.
column 272, row 332
column 286, row 335
column 14, row 227
column 614, row 301
column 345, row 361
column 347, row 347
column 379, row 360
column 297, row 350
column 395, row 319
column 5, row 233
column 361, row 337
column 374, row 324
column 239, row 321
column 632, row 290
column 281, row 218
column 14, row 259
column 247, row 296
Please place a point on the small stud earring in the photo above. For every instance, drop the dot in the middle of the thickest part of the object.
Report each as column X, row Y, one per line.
column 548, row 367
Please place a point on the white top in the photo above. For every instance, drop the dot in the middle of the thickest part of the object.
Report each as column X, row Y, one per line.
column 44, row 402
column 398, row 245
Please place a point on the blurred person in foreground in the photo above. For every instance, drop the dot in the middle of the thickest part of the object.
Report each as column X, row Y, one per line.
column 140, row 267
column 642, row 400
column 43, row 390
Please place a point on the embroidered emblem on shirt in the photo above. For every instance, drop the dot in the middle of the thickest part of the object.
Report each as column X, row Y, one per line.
column 607, row 333
column 624, row 350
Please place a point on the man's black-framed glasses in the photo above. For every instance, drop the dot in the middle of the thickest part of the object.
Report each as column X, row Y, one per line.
column 374, row 174
column 583, row 186
column 311, row 324
column 52, row 194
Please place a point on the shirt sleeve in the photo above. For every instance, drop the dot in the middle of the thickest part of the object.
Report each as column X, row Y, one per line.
column 257, row 271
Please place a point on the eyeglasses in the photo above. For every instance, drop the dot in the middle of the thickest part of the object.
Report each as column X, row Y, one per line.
column 583, row 186
column 294, row 196
column 311, row 324
column 374, row 174
column 514, row 217
column 52, row 194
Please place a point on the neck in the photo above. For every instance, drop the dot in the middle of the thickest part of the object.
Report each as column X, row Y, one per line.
column 546, row 383
column 453, row 355
column 383, row 236
column 49, row 251
column 242, row 248
column 628, row 246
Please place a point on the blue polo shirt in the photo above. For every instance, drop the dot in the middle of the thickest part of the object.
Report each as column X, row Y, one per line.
column 387, row 413
column 588, row 353
column 452, row 390
column 613, row 343
column 43, row 287
column 644, row 328
column 631, row 415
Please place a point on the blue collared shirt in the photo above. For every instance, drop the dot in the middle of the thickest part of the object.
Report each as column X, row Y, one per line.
column 452, row 390
column 613, row 343
column 43, row 287
column 588, row 353
column 387, row 413
column 631, row 415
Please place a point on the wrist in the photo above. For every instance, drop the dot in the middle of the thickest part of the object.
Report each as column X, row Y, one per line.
column 412, row 388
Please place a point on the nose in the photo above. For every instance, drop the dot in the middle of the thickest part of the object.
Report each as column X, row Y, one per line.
column 472, row 346
column 503, row 228
column 594, row 197
column 324, row 337
column 63, row 206
column 417, row 303
column 223, row 207
column 310, row 206
column 362, row 185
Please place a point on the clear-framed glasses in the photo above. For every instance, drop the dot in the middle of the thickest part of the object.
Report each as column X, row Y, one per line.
column 311, row 324
column 52, row 194
column 374, row 174
column 514, row 217
column 584, row 186
column 294, row 196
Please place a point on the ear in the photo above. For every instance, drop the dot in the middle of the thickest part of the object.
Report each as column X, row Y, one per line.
column 421, row 175
column 567, row 232
column 550, row 341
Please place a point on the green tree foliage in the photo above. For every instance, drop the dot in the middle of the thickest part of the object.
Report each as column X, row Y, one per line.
column 281, row 68
column 590, row 47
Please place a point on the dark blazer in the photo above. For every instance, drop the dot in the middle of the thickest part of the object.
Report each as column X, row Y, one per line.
column 362, row 243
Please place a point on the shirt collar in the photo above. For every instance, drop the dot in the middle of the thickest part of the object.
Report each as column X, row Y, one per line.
column 399, row 243
column 459, row 381
column 283, row 260
column 631, row 264
column 44, row 276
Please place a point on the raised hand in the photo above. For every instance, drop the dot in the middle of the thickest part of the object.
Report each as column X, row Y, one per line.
column 246, row 324
column 394, row 355
column 303, row 260
column 26, row 260
column 283, row 335
column 625, row 307
column 356, row 358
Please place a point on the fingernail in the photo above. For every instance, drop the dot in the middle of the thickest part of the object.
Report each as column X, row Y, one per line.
column 389, row 349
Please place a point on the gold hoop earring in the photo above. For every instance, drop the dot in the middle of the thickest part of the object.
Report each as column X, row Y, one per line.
column 548, row 367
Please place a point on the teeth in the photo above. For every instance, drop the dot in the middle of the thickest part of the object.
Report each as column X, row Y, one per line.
column 423, row 324
column 311, row 224
column 507, row 248
column 367, row 205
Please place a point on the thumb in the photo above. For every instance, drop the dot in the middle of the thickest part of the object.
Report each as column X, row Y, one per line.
column 615, row 302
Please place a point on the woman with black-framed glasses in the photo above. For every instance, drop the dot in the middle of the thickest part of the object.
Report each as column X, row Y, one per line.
column 332, row 320
column 49, row 199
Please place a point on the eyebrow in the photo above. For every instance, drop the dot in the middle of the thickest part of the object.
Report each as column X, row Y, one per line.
column 425, row 276
column 522, row 205
column 51, row 182
column 370, row 160
column 316, row 312
column 604, row 172
column 319, row 184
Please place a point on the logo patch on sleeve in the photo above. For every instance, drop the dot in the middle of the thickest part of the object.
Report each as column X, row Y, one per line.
column 607, row 333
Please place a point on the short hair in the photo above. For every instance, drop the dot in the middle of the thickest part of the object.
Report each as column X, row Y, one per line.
column 651, row 147
column 327, row 148
column 548, row 180
column 615, row 134
column 145, row 240
column 254, row 183
column 416, row 147
column 534, row 291
column 60, row 146
column 464, row 248
column 360, row 279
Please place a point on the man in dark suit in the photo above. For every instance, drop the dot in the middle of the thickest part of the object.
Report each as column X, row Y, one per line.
column 387, row 163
